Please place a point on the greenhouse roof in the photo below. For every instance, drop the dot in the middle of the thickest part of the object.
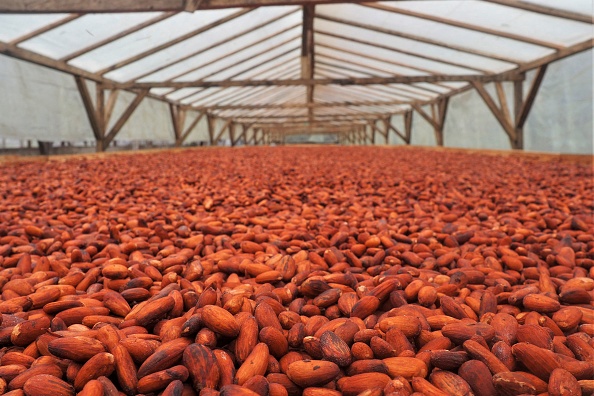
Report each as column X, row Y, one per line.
column 307, row 62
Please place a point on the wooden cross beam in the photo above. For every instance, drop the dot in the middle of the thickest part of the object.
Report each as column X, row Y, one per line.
column 513, row 126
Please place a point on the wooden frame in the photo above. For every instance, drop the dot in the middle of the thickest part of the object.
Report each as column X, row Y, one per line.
column 315, row 71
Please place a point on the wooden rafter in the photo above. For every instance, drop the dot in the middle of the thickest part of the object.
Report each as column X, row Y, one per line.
column 436, row 118
column 307, row 54
column 115, row 129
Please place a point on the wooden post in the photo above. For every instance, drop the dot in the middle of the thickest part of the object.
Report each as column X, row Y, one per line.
column 408, row 119
column 437, row 117
column 100, row 114
column 513, row 126
column 210, row 123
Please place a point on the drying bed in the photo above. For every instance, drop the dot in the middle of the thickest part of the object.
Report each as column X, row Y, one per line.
column 297, row 270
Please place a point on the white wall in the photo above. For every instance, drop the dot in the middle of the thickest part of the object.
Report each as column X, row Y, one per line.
column 39, row 103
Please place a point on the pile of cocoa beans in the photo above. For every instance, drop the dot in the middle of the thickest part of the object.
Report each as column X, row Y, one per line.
column 297, row 271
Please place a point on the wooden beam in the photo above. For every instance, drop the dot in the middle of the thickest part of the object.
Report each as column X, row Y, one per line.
column 408, row 122
column 210, row 123
column 529, row 101
column 542, row 9
column 65, row 6
column 176, row 40
column 324, row 81
column 466, row 25
column 190, row 128
column 124, row 117
column 300, row 105
column 307, row 54
column 426, row 116
column 178, row 116
column 397, row 132
column 96, row 125
column 497, row 112
column 437, row 117
column 220, row 134
column 111, row 101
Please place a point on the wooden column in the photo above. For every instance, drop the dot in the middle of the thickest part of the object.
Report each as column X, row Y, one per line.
column 436, row 118
column 307, row 55
column 100, row 114
column 408, row 119
column 178, row 118
column 513, row 126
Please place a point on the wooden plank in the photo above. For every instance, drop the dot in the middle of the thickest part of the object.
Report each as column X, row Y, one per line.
column 542, row 9
column 45, row 28
column 529, row 101
column 89, row 108
column 466, row 25
column 96, row 6
column 176, row 40
column 118, row 36
column 124, row 117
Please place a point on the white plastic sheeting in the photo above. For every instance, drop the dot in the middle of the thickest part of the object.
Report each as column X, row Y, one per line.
column 351, row 40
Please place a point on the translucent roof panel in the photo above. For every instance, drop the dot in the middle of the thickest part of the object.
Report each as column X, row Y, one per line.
column 217, row 59
column 585, row 7
column 83, row 32
column 393, row 56
column 147, row 38
column 506, row 19
column 211, row 44
column 241, row 64
column 13, row 26
column 416, row 47
column 471, row 41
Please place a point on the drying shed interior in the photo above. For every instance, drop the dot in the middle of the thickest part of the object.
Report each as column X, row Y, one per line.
column 454, row 73
column 370, row 266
